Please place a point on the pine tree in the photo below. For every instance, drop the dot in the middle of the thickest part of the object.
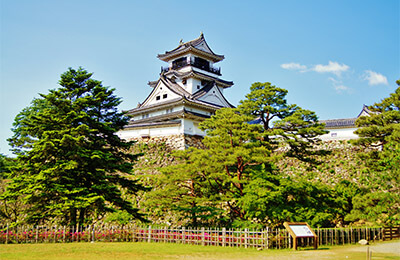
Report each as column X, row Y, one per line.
column 379, row 133
column 72, row 164
column 283, row 123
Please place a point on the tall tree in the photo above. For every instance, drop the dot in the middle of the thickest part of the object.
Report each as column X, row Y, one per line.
column 11, row 209
column 379, row 133
column 206, row 186
column 283, row 123
column 72, row 164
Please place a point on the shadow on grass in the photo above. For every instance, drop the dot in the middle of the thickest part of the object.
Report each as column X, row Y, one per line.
column 312, row 249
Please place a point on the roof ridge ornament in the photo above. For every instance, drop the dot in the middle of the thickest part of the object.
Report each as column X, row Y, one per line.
column 181, row 42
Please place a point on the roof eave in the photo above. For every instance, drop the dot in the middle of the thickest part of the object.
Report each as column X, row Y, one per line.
column 173, row 54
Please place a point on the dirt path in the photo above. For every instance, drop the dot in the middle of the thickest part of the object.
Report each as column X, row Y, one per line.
column 390, row 247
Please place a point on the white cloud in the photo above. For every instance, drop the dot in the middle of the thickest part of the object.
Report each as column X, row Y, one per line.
column 332, row 67
column 375, row 78
column 341, row 88
column 293, row 66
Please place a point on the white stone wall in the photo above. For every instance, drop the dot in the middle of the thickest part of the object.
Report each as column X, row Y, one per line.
column 339, row 134
column 130, row 133
column 191, row 127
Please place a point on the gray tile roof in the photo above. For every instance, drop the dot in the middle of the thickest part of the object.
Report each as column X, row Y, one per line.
column 339, row 123
column 191, row 46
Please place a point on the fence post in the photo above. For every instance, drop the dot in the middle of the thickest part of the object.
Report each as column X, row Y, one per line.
column 223, row 237
column 246, row 235
column 93, row 233
column 149, row 235
column 183, row 235
column 37, row 234
column 7, row 234
column 202, row 236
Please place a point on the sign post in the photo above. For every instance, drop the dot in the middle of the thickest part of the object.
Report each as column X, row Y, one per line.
column 299, row 230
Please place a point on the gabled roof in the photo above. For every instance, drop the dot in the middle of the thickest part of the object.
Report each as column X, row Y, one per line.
column 198, row 75
column 206, row 89
column 184, row 98
column 365, row 111
column 197, row 46
column 172, row 86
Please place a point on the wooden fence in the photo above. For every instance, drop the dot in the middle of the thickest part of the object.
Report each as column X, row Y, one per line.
column 390, row 233
column 266, row 238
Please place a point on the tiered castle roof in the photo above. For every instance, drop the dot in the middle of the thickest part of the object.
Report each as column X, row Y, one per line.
column 197, row 46
column 172, row 99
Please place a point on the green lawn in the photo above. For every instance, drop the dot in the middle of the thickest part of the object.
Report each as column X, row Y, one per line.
column 121, row 250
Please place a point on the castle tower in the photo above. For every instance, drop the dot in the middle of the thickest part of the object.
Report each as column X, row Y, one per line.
column 188, row 91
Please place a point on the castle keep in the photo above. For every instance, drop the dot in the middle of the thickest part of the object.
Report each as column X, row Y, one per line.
column 187, row 91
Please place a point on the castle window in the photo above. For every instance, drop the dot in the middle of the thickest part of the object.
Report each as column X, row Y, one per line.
column 179, row 63
column 169, row 110
column 333, row 134
column 201, row 63
column 164, row 96
column 145, row 116
column 158, row 97
column 198, row 87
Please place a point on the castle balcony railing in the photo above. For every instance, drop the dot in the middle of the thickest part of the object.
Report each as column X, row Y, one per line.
column 200, row 65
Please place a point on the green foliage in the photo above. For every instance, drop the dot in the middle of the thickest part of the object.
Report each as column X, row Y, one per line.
column 267, row 103
column 298, row 128
column 119, row 217
column 376, row 207
column 233, row 181
column 380, row 134
column 207, row 184
column 10, row 208
column 271, row 199
column 71, row 165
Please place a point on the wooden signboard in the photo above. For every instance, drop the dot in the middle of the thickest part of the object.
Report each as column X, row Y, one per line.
column 299, row 230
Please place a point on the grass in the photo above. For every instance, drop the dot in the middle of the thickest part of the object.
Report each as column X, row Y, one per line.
column 145, row 251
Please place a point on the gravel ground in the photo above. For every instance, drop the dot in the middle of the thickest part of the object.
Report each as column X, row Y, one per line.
column 390, row 247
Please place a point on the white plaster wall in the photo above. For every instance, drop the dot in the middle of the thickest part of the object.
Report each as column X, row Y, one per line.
column 339, row 134
column 189, row 85
column 191, row 127
column 162, row 131
column 160, row 90
column 214, row 97
column 154, row 113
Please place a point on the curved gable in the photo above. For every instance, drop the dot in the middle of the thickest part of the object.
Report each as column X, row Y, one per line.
column 215, row 97
column 160, row 93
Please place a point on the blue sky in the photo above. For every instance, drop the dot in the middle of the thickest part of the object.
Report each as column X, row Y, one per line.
column 332, row 56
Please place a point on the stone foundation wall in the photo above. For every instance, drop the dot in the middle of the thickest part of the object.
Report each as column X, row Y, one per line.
column 182, row 141
column 173, row 142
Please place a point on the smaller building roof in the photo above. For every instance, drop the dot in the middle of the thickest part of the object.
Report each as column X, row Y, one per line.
column 339, row 123
column 346, row 122
column 197, row 46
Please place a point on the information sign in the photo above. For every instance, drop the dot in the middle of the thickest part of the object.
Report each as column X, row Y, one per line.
column 300, row 230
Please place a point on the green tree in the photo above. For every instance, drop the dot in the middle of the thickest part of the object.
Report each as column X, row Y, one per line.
column 23, row 137
column 72, row 166
column 206, row 185
column 271, row 199
column 283, row 123
column 218, row 183
column 11, row 210
column 379, row 133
